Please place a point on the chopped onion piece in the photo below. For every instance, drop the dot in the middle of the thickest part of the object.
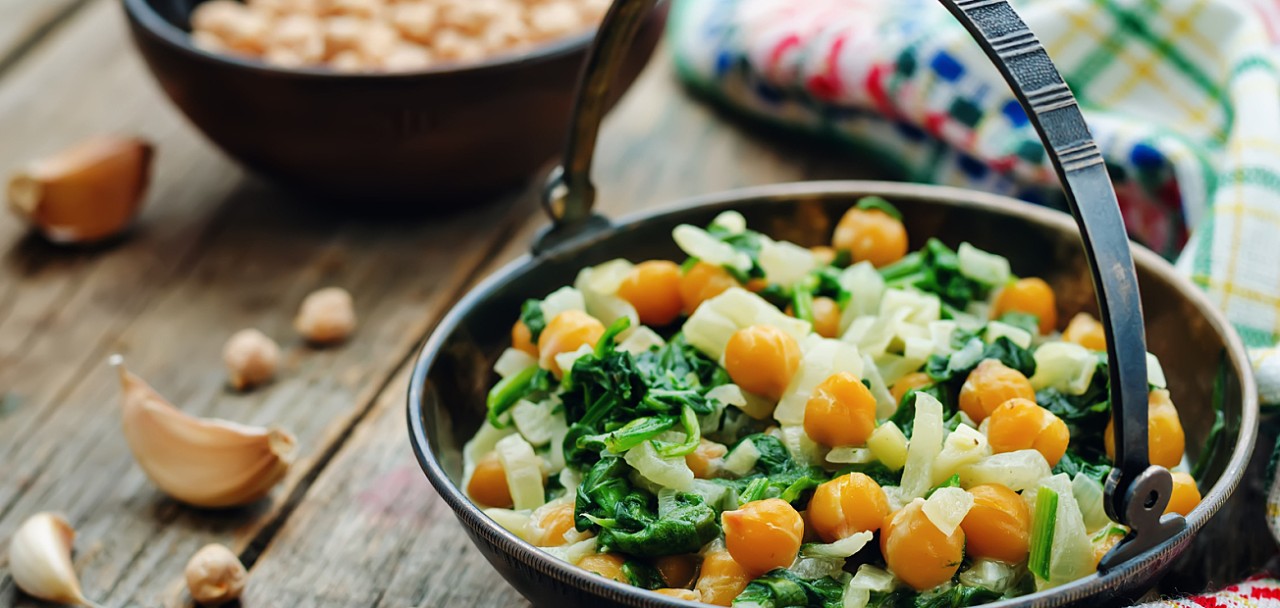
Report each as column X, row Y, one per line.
column 803, row 449
column 524, row 472
column 1018, row 470
column 941, row 332
column 640, row 340
column 1065, row 366
column 848, row 455
column 886, row 405
column 947, row 507
column 538, row 422
column 560, row 300
column 922, row 308
column 1089, row 495
column 1017, row 335
column 889, row 445
column 989, row 574
column 731, row 222
column 822, row 359
column 663, row 472
column 963, row 446
column 575, row 552
column 603, row 279
column 987, row 268
column 742, row 458
column 716, row 319
column 868, row 580
column 866, row 288
column 515, row 522
column 785, row 263
column 566, row 360
column 926, row 444
column 843, row 548
column 513, row 361
column 1071, row 556
column 699, row 243
column 1155, row 372
column 480, row 445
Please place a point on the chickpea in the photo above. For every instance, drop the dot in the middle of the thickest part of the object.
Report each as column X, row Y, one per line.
column 608, row 565
column 1032, row 296
column 721, row 579
column 326, row 316
column 917, row 551
column 1165, row 439
column 824, row 255
column 1103, row 546
column 677, row 570
column 998, row 526
column 522, row 338
column 841, row 412
column 1185, row 494
column 1020, row 424
column 763, row 535
column 871, row 235
column 488, row 483
column 552, row 523
column 681, row 594
column 847, row 505
column 251, row 358
column 567, row 332
column 761, row 359
column 653, row 288
column 1085, row 331
column 756, row 285
column 706, row 459
column 826, row 317
column 908, row 383
column 989, row 385
column 703, row 282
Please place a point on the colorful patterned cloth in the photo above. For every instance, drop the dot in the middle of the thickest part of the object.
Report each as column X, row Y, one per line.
column 1256, row 593
column 1183, row 97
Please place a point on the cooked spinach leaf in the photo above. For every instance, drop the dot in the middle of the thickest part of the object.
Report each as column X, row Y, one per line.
column 781, row 588
column 628, row 519
column 935, row 269
column 776, row 475
column 531, row 315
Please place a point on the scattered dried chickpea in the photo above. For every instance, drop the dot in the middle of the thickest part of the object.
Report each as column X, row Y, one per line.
column 1086, row 331
column 522, row 338
column 721, row 579
column 251, row 358
column 847, row 505
column 998, row 526
column 761, row 359
column 215, row 575
column 653, row 288
column 677, row 570
column 1021, row 424
column 908, row 383
column 840, row 412
column 705, row 461
column 567, row 332
column 1032, row 296
column 703, row 282
column 608, row 565
column 871, row 235
column 1165, row 438
column 488, row 483
column 917, row 551
column 763, row 534
column 327, row 316
column 989, row 385
column 1185, row 496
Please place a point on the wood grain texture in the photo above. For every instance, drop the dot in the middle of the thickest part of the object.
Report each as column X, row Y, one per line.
column 371, row 531
column 23, row 23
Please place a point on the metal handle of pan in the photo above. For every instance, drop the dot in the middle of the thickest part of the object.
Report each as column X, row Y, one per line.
column 1136, row 492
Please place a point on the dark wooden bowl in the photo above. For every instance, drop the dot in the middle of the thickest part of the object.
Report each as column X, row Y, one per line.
column 453, row 372
column 430, row 138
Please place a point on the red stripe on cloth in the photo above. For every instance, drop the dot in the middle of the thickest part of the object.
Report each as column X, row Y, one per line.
column 1207, row 601
column 829, row 83
column 781, row 48
column 875, row 88
column 1265, row 593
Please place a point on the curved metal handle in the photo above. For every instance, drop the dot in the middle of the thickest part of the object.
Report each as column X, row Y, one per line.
column 1136, row 491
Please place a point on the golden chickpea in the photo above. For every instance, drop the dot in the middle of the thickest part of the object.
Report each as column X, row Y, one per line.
column 989, row 385
column 761, row 359
column 840, row 412
column 823, row 254
column 908, row 383
column 871, row 235
column 688, row 595
column 608, row 565
column 251, row 358
column 1104, row 546
column 826, row 317
column 706, row 459
column 677, row 570
column 1021, row 424
column 998, row 526
column 522, row 338
column 1032, row 296
column 653, row 288
column 567, row 332
column 763, row 535
column 326, row 316
column 1186, row 495
column 488, row 483
column 1165, row 438
column 756, row 285
column 553, row 522
column 1085, row 331
column 917, row 551
column 703, row 282
column 721, row 579
column 847, row 505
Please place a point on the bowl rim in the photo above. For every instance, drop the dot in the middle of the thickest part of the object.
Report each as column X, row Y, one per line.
column 143, row 14
column 473, row 517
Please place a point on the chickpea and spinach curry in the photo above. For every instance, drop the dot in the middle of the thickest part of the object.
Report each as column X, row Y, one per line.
column 846, row 426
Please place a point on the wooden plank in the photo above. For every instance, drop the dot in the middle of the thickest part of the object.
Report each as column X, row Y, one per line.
column 371, row 531
column 23, row 23
column 213, row 253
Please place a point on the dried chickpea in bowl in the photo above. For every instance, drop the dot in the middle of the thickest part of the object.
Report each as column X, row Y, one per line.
column 711, row 437
column 384, row 35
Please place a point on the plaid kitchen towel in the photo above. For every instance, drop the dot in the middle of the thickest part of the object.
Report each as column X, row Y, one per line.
column 1183, row 97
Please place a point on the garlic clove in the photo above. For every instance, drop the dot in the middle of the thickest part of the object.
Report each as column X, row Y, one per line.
column 40, row 560
column 200, row 461
column 86, row 193
column 215, row 576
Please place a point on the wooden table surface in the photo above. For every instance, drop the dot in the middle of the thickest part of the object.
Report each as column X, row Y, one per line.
column 355, row 523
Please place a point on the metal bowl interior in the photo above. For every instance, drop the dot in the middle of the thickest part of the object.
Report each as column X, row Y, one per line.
column 453, row 372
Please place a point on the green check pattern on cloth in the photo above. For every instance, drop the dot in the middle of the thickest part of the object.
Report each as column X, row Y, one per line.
column 1183, row 97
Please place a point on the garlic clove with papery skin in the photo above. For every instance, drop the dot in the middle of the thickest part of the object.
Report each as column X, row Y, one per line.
column 86, row 193
column 40, row 560
column 200, row 461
